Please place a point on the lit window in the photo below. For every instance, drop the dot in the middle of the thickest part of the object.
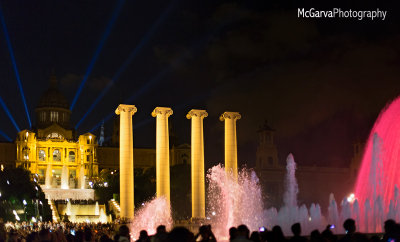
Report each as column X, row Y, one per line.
column 53, row 116
column 56, row 155
column 71, row 156
column 42, row 155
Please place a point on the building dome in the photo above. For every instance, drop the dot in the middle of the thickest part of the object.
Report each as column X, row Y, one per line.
column 53, row 97
column 53, row 108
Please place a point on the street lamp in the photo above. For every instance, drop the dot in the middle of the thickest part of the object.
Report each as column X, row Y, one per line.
column 25, row 203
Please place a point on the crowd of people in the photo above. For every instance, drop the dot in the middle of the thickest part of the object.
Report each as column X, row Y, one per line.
column 89, row 232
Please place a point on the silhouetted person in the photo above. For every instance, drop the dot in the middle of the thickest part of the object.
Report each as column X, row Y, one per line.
column 88, row 235
column 350, row 227
column 143, row 236
column 327, row 235
column 205, row 234
column 232, row 233
column 296, row 230
column 123, row 234
column 255, row 236
column 33, row 237
column 180, row 234
column 242, row 234
column 44, row 235
column 105, row 238
column 161, row 235
column 315, row 236
column 277, row 234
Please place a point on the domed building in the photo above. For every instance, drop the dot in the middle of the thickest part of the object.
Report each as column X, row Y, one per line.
column 51, row 150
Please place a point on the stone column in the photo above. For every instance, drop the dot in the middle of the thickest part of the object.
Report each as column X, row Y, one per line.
column 162, row 152
column 197, row 149
column 126, row 159
column 230, row 142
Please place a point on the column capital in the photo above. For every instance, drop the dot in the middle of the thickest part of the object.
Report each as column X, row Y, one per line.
column 162, row 111
column 230, row 115
column 126, row 108
column 196, row 113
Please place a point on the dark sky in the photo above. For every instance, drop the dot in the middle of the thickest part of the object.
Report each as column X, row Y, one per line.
column 319, row 82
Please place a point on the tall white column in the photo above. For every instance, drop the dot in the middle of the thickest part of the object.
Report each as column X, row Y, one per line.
column 126, row 159
column 197, row 155
column 230, row 142
column 162, row 152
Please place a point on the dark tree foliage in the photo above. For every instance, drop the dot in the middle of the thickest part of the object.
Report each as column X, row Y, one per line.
column 16, row 185
column 145, row 188
column 181, row 191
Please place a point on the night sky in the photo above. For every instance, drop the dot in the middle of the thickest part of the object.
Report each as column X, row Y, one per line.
column 319, row 82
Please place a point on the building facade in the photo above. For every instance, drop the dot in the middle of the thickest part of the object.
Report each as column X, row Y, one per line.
column 315, row 183
column 52, row 144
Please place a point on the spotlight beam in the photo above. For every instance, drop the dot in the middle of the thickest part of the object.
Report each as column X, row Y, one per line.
column 103, row 40
column 130, row 58
column 3, row 104
column 5, row 136
column 160, row 75
column 14, row 64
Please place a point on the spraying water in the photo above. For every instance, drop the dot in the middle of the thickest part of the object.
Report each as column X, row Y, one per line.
column 64, row 177
column 152, row 214
column 233, row 202
column 48, row 177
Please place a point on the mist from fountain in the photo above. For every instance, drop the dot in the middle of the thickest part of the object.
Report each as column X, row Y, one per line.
column 152, row 214
column 64, row 177
column 290, row 212
column 233, row 202
column 48, row 177
column 69, row 208
column 96, row 209
column 103, row 217
column 82, row 181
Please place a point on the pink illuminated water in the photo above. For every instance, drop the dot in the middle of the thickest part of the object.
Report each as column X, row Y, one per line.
column 233, row 202
column 152, row 214
column 387, row 128
column 376, row 187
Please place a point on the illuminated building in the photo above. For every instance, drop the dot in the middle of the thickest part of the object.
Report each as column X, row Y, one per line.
column 53, row 143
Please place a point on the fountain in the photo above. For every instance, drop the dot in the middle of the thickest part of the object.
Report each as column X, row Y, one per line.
column 69, row 208
column 48, row 176
column 153, row 213
column 64, row 178
column 96, row 209
column 82, row 179
column 382, row 155
column 103, row 217
column 233, row 201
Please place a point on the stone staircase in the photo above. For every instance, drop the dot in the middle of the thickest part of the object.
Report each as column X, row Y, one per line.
column 54, row 212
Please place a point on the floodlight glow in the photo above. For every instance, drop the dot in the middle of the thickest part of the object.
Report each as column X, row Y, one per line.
column 98, row 50
column 5, row 136
column 131, row 57
column 3, row 104
column 14, row 64
column 24, row 202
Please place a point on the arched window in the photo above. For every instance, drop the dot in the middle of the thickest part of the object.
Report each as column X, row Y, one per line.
column 25, row 153
column 71, row 156
column 56, row 155
column 42, row 155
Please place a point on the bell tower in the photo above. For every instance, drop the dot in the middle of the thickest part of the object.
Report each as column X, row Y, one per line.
column 267, row 153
